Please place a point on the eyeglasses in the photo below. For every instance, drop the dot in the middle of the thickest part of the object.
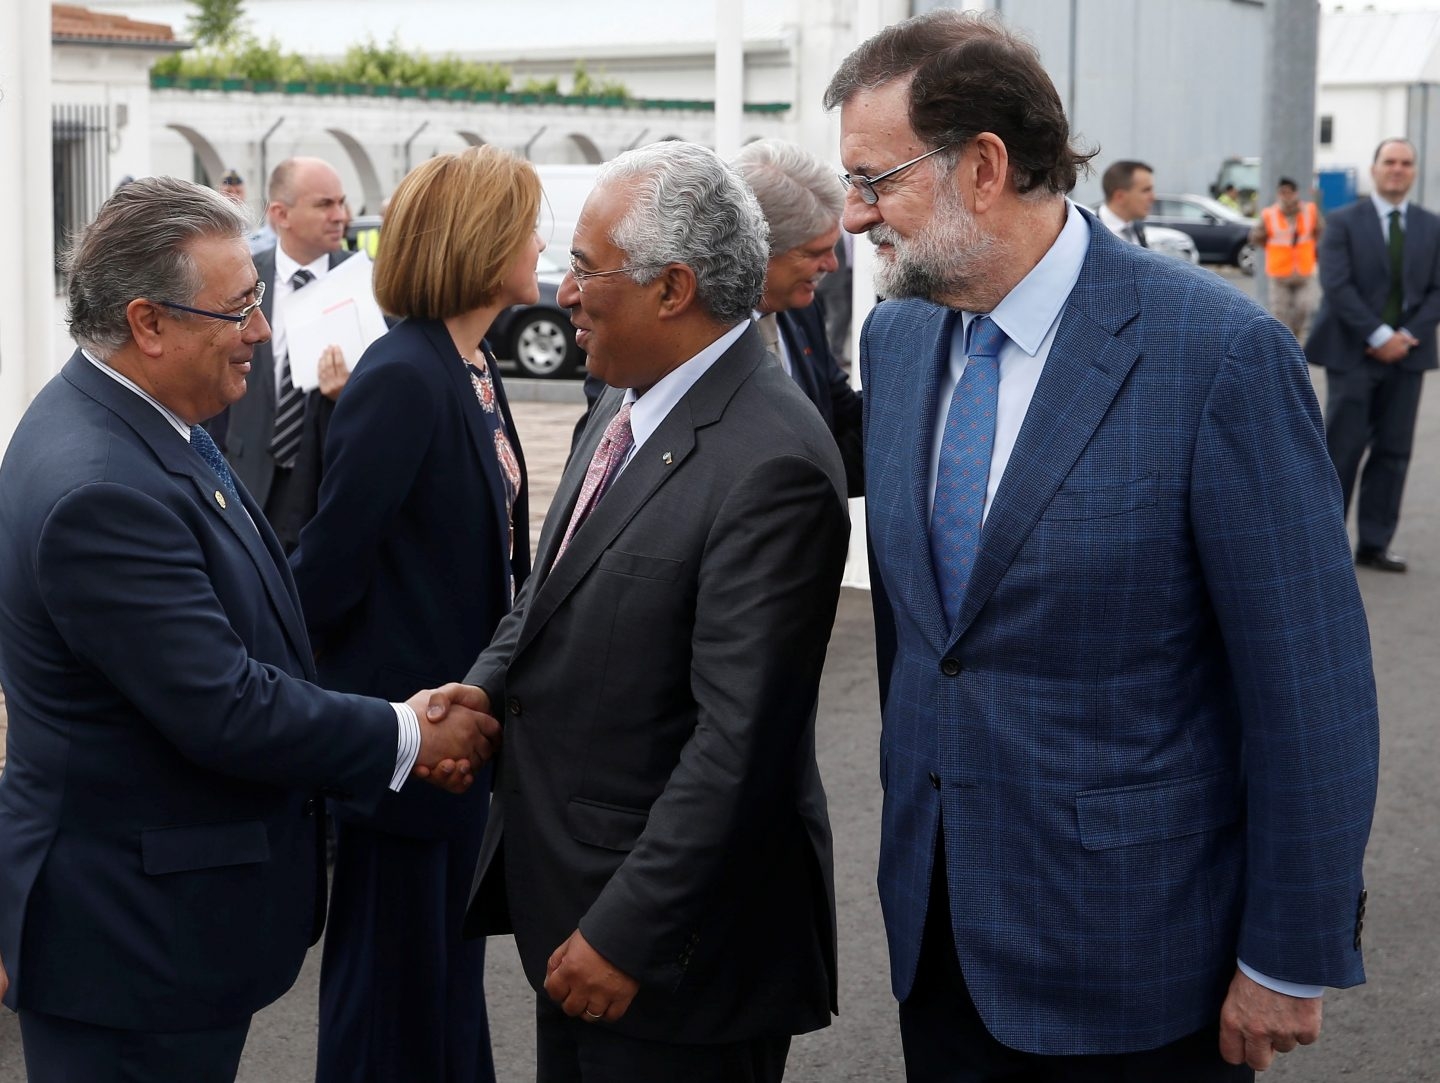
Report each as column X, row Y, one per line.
column 866, row 185
column 239, row 319
column 580, row 276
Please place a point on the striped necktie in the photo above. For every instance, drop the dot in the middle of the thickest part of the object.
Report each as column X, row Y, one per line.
column 290, row 408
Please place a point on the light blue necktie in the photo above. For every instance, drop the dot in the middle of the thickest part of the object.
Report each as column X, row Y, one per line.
column 964, row 471
column 206, row 449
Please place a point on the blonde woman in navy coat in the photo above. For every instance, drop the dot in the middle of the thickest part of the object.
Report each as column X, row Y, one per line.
column 413, row 557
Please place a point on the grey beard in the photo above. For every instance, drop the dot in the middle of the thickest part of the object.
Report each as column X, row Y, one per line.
column 948, row 260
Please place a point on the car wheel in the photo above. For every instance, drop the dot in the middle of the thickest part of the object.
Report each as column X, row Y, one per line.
column 1246, row 257
column 544, row 345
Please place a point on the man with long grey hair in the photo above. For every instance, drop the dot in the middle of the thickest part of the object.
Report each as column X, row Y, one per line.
column 161, row 833
column 802, row 203
column 658, row 840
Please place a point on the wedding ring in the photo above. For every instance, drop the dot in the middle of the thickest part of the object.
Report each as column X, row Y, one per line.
column 592, row 1016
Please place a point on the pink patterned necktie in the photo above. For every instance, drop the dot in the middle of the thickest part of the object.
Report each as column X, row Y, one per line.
column 604, row 465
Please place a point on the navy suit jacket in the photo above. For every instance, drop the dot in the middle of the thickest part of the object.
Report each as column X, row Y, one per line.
column 826, row 385
column 1152, row 734
column 158, row 840
column 402, row 571
column 1355, row 275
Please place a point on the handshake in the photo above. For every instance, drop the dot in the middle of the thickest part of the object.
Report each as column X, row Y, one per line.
column 457, row 735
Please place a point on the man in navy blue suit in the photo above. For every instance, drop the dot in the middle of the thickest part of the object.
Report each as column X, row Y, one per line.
column 1130, row 740
column 161, row 844
column 802, row 205
column 1375, row 336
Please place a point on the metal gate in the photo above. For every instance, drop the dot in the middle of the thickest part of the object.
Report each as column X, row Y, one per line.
column 81, row 173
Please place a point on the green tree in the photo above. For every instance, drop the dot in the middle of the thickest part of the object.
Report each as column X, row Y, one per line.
column 216, row 22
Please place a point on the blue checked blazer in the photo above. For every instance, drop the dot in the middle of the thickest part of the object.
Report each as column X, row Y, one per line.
column 1152, row 735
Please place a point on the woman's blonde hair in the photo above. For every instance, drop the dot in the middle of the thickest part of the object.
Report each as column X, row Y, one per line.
column 452, row 231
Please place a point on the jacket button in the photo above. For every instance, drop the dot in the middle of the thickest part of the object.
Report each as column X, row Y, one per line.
column 512, row 707
column 935, row 779
column 950, row 667
column 312, row 805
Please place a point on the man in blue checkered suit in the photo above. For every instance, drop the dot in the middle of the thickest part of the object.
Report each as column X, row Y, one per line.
column 1129, row 749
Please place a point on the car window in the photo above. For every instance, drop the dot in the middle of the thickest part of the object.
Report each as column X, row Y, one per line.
column 1175, row 208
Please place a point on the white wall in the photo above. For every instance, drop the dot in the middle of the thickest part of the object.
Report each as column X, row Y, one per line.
column 1362, row 116
column 118, row 78
column 232, row 125
column 26, row 272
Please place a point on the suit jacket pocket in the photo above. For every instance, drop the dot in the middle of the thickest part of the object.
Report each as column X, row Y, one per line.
column 640, row 564
column 203, row 846
column 1102, row 501
column 611, row 827
column 1152, row 811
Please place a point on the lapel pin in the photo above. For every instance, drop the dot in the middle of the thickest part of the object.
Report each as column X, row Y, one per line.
column 220, row 498
column 666, row 458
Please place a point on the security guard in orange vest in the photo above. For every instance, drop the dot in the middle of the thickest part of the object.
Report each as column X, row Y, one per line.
column 1290, row 229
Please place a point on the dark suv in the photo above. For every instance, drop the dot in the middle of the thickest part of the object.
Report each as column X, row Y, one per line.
column 1220, row 234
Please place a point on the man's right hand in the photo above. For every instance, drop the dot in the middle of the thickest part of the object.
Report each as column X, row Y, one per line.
column 1396, row 348
column 457, row 734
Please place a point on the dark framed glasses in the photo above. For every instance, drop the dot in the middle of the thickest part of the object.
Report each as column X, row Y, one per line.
column 240, row 318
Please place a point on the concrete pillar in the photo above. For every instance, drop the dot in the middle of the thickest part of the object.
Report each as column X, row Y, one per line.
column 729, row 76
column 871, row 16
column 1287, row 130
column 27, row 279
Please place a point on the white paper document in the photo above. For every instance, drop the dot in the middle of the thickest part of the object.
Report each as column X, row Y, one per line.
column 337, row 310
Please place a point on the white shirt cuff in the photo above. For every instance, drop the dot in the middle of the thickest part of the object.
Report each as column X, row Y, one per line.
column 407, row 748
column 1381, row 335
column 1289, row 988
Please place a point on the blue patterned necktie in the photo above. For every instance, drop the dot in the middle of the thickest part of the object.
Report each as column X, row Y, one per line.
column 206, row 449
column 964, row 472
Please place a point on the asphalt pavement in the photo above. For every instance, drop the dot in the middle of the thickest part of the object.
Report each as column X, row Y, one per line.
column 1381, row 1032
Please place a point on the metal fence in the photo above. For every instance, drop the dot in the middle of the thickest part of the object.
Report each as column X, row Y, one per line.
column 81, row 174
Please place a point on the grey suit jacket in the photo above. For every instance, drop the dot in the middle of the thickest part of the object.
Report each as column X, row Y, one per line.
column 250, row 423
column 657, row 785
column 1355, row 274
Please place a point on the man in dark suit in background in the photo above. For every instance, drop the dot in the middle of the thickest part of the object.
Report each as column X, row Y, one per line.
column 1129, row 189
column 658, row 838
column 802, row 204
column 160, row 827
column 1123, row 824
column 275, row 435
column 1374, row 334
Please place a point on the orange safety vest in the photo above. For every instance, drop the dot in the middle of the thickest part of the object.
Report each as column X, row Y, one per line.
column 1289, row 250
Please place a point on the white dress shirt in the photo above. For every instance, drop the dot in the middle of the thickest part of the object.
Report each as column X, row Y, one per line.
column 1117, row 225
column 647, row 411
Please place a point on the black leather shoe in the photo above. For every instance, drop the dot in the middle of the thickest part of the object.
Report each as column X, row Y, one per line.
column 1382, row 560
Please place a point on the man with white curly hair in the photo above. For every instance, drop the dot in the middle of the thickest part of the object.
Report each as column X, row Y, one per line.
column 802, row 205
column 658, row 840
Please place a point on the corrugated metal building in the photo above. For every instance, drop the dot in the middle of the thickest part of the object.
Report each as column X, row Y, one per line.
column 1380, row 77
column 1175, row 83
